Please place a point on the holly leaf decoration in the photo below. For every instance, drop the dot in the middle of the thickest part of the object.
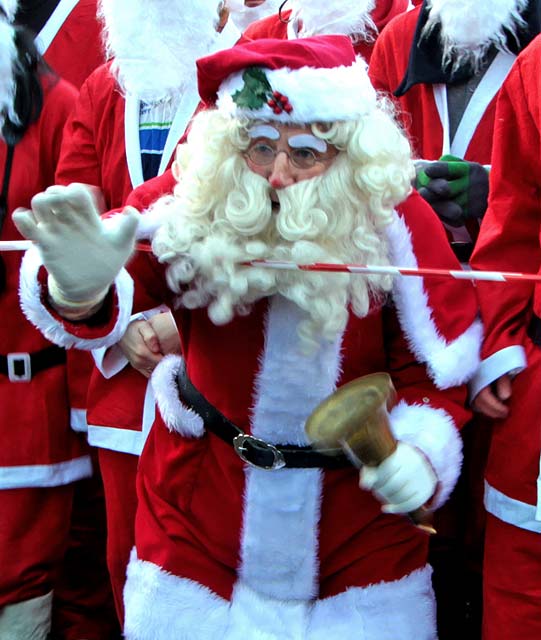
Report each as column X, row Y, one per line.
column 256, row 90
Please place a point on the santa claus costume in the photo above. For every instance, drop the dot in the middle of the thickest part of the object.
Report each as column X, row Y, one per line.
column 409, row 63
column 361, row 20
column 234, row 542
column 509, row 240
column 41, row 457
column 110, row 144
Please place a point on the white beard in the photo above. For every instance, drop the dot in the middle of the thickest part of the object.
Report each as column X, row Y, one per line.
column 243, row 16
column 328, row 17
column 155, row 43
column 470, row 27
column 8, row 59
column 10, row 7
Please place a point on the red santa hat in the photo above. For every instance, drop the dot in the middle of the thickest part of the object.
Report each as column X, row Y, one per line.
column 315, row 79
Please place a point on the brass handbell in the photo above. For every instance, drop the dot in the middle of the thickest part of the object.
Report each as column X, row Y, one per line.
column 355, row 418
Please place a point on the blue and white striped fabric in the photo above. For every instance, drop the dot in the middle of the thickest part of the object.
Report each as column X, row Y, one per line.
column 155, row 120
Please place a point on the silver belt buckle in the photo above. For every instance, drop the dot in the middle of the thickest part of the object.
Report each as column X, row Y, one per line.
column 16, row 358
column 239, row 443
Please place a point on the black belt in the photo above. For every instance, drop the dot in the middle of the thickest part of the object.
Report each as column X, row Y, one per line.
column 462, row 250
column 21, row 367
column 534, row 330
column 254, row 451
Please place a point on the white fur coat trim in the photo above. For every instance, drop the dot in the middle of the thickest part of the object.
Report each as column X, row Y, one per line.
column 161, row 606
column 30, row 298
column 176, row 416
column 433, row 432
column 279, row 540
column 449, row 364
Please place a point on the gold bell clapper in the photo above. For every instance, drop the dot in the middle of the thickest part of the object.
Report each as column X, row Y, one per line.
column 355, row 418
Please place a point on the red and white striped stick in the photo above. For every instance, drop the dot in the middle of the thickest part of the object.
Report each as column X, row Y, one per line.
column 457, row 274
column 494, row 276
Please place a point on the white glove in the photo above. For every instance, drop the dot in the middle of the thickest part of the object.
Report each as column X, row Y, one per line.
column 81, row 253
column 404, row 481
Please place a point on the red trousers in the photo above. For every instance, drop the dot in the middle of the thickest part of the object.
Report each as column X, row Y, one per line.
column 34, row 529
column 511, row 582
column 118, row 473
column 83, row 605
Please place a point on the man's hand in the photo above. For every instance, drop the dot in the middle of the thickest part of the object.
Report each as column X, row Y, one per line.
column 403, row 482
column 456, row 189
column 82, row 254
column 146, row 342
column 141, row 346
column 491, row 400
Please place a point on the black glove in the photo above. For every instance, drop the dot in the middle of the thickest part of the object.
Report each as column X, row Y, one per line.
column 456, row 189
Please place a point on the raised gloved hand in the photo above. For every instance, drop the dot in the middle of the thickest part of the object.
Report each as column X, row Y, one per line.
column 455, row 188
column 82, row 254
column 403, row 482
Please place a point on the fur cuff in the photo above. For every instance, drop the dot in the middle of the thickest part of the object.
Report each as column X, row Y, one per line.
column 434, row 433
column 30, row 294
column 176, row 416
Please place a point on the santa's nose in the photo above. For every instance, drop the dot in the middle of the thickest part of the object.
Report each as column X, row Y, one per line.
column 282, row 173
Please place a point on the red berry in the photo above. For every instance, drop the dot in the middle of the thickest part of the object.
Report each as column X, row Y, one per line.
column 277, row 110
column 277, row 94
column 271, row 103
column 288, row 108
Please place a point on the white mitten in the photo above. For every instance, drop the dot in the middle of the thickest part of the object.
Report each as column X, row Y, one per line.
column 82, row 254
column 403, row 482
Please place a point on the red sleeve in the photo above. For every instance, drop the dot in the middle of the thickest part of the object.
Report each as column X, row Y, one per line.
column 79, row 161
column 510, row 232
column 58, row 104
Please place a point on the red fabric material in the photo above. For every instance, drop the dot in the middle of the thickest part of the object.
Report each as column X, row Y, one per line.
column 386, row 10
column 512, row 588
column 94, row 147
column 417, row 109
column 34, row 415
column 324, row 52
column 509, row 239
column 118, row 472
column 83, row 602
column 34, row 526
column 77, row 49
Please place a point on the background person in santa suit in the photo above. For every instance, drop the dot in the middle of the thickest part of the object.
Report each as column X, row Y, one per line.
column 68, row 35
column 41, row 457
column 507, row 386
column 228, row 549
column 244, row 12
column 130, row 115
column 361, row 20
column 445, row 62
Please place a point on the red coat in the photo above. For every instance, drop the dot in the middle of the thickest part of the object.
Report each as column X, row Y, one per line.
column 510, row 241
column 266, row 546
column 71, row 40
column 38, row 447
column 272, row 27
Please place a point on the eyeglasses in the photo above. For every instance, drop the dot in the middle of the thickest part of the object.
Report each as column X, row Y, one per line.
column 263, row 154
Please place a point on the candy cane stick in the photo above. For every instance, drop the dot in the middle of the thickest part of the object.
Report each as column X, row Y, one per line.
column 457, row 274
column 493, row 276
